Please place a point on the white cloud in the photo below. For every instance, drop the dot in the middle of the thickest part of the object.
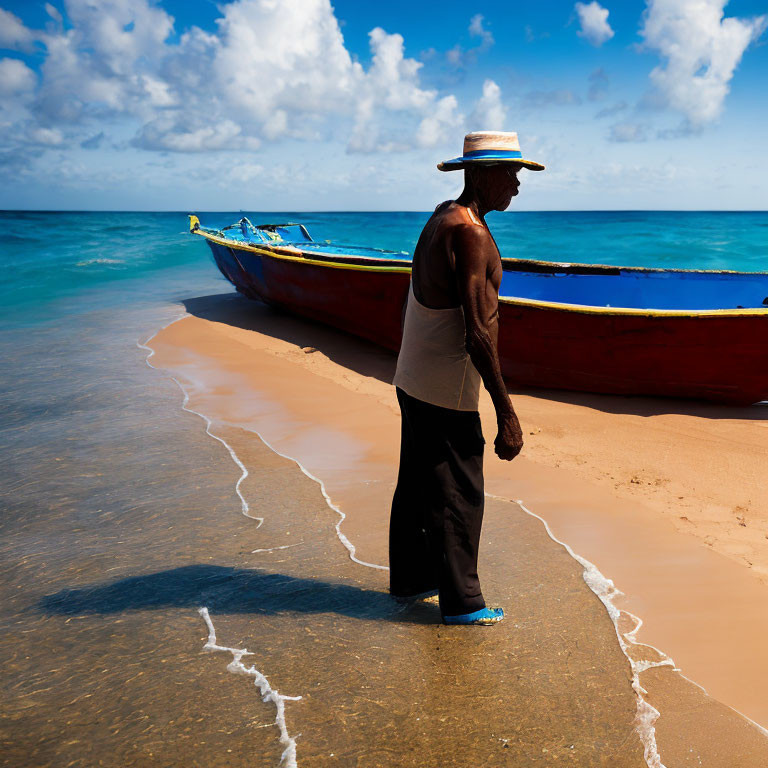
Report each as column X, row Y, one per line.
column 434, row 128
column 477, row 29
column 393, row 79
column 158, row 92
column 13, row 34
column 593, row 19
column 119, row 32
column 614, row 109
column 245, row 173
column 98, row 66
column 700, row 51
column 272, row 71
column 46, row 137
column 287, row 55
column 392, row 83
column 284, row 71
column 627, row 131
column 166, row 134
column 15, row 77
column 461, row 58
column 489, row 112
column 54, row 13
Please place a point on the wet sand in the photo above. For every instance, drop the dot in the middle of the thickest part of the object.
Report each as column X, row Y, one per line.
column 323, row 397
column 122, row 519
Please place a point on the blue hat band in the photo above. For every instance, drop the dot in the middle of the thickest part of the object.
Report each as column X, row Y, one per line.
column 489, row 154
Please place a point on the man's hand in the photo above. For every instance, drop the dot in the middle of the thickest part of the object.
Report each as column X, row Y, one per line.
column 509, row 441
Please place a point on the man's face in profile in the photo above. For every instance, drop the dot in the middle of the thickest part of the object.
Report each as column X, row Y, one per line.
column 498, row 184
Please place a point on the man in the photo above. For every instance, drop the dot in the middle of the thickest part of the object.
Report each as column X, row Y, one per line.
column 449, row 345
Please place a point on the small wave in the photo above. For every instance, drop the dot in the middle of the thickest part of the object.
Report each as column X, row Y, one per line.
column 89, row 262
column 126, row 227
column 268, row 693
column 246, row 510
column 646, row 714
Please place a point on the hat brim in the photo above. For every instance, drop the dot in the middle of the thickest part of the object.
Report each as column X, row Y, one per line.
column 462, row 162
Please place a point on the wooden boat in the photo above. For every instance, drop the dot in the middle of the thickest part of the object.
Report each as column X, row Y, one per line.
column 594, row 328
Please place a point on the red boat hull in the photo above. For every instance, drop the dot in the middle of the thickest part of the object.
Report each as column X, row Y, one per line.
column 723, row 359
column 364, row 301
column 712, row 356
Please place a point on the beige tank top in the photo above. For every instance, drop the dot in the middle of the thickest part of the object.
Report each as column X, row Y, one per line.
column 433, row 364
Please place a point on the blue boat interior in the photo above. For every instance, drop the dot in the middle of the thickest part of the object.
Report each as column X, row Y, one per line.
column 651, row 289
column 273, row 233
column 356, row 251
column 664, row 289
column 296, row 235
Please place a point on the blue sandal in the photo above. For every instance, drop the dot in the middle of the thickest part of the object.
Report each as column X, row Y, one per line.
column 485, row 617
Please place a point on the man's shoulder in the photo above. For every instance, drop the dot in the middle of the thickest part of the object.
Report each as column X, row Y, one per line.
column 456, row 220
column 467, row 234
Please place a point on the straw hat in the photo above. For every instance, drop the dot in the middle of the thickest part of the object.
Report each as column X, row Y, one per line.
column 487, row 148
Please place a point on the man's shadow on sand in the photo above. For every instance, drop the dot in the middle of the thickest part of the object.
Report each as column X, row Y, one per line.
column 371, row 360
column 232, row 590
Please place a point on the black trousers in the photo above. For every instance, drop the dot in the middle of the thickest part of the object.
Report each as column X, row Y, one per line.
column 437, row 509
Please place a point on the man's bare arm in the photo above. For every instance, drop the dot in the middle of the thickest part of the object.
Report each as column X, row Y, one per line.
column 473, row 249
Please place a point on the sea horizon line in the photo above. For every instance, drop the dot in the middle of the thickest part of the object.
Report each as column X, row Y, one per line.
column 186, row 211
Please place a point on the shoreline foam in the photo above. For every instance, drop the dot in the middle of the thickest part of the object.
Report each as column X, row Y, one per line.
column 208, row 423
column 606, row 591
column 268, row 694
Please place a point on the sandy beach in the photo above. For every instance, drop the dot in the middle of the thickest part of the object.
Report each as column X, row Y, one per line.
column 127, row 515
column 643, row 489
column 217, row 479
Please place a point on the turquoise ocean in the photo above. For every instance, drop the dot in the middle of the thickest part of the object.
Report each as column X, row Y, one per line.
column 63, row 263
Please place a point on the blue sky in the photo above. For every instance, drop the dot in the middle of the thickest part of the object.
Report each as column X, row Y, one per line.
column 308, row 105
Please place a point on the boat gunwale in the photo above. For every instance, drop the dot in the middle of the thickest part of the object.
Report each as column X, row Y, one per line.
column 276, row 251
column 289, row 253
column 521, row 264
column 513, row 264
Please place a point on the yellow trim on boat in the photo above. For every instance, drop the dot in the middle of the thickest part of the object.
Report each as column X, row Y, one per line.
column 592, row 310
column 597, row 268
column 285, row 257
column 511, row 300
